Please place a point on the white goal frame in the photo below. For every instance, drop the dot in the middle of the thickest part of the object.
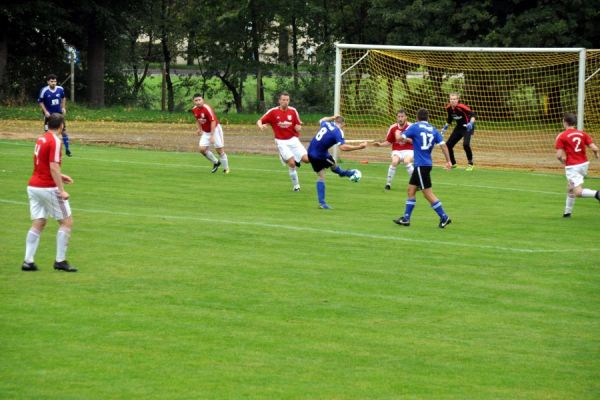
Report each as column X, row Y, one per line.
column 339, row 73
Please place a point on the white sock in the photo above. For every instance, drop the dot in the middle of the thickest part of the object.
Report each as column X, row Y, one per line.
column 224, row 161
column 410, row 168
column 588, row 193
column 390, row 175
column 294, row 176
column 211, row 157
column 31, row 244
column 62, row 242
column 569, row 204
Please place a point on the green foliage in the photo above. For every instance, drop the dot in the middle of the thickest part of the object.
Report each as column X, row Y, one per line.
column 200, row 285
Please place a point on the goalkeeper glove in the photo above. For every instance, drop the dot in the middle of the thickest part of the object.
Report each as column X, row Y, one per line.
column 470, row 126
column 445, row 128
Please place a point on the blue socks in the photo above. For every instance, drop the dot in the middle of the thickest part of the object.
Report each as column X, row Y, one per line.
column 437, row 206
column 65, row 139
column 410, row 205
column 342, row 172
column 321, row 191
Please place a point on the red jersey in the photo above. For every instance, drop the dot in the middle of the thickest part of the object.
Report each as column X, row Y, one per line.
column 283, row 122
column 573, row 142
column 47, row 150
column 391, row 137
column 205, row 115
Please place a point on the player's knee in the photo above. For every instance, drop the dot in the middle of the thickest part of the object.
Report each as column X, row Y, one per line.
column 576, row 191
column 67, row 222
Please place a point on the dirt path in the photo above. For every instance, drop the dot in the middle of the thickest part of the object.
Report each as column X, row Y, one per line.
column 248, row 139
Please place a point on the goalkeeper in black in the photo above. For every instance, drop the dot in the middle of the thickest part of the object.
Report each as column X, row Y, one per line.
column 464, row 129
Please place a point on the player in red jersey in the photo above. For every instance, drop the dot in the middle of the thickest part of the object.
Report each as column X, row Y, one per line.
column 465, row 128
column 286, row 125
column 570, row 150
column 211, row 133
column 47, row 196
column 402, row 151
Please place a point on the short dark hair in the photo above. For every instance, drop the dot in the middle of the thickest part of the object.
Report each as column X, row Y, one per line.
column 197, row 95
column 422, row 114
column 284, row 94
column 55, row 120
column 340, row 120
column 401, row 111
column 51, row 76
column 570, row 118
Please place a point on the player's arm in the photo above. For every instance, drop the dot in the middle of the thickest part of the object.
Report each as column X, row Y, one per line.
column 350, row 147
column 261, row 125
column 444, row 148
column 595, row 150
column 43, row 107
column 63, row 105
column 199, row 125
column 381, row 144
column 213, row 125
column 59, row 179
column 561, row 156
column 327, row 119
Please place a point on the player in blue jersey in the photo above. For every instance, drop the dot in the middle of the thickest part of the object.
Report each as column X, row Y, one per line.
column 330, row 133
column 52, row 99
column 423, row 136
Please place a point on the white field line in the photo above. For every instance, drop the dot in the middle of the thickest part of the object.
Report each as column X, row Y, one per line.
column 342, row 233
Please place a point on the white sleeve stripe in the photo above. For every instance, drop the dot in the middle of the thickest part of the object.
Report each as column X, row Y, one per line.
column 57, row 144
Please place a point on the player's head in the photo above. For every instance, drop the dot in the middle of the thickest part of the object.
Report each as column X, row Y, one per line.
column 198, row 100
column 340, row 121
column 570, row 119
column 422, row 114
column 401, row 116
column 56, row 122
column 51, row 80
column 454, row 98
column 284, row 100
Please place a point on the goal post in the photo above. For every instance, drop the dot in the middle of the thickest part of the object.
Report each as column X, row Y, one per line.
column 519, row 95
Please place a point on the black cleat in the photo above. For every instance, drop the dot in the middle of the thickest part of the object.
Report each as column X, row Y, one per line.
column 68, row 153
column 597, row 195
column 216, row 167
column 298, row 163
column 388, row 187
column 567, row 215
column 402, row 221
column 445, row 222
column 29, row 266
column 64, row 266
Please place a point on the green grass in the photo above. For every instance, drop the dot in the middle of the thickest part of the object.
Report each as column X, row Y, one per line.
column 132, row 114
column 199, row 285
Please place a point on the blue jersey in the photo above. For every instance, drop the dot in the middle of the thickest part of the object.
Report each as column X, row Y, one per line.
column 424, row 136
column 52, row 99
column 329, row 135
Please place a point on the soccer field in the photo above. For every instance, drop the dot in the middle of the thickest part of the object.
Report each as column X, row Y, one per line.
column 199, row 285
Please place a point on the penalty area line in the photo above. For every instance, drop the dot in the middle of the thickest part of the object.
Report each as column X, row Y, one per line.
column 343, row 233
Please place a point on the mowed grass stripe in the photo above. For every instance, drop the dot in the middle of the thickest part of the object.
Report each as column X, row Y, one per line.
column 319, row 231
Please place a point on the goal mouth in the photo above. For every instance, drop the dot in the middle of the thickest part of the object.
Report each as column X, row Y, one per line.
column 518, row 94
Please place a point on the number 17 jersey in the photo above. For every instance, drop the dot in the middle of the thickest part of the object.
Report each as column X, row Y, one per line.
column 424, row 136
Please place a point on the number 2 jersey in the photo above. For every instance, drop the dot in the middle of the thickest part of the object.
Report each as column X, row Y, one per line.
column 47, row 150
column 574, row 142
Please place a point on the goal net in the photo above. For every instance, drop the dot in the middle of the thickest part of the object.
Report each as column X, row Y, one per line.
column 519, row 95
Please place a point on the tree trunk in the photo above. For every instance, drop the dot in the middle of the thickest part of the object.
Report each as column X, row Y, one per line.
column 96, row 59
column 191, row 48
column 284, row 40
column 167, row 55
column 237, row 97
column 3, row 57
column 295, row 58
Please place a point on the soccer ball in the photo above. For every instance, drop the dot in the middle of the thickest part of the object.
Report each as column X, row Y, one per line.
column 356, row 176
